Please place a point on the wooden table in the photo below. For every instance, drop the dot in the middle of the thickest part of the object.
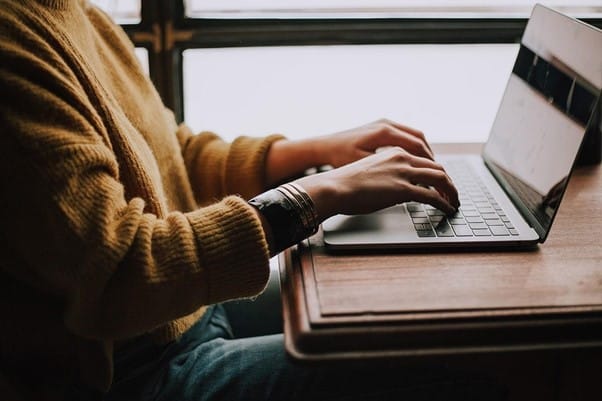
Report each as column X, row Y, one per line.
column 412, row 305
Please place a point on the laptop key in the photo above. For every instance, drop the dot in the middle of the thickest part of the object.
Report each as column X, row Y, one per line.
column 436, row 219
column 414, row 207
column 469, row 213
column 479, row 215
column 499, row 231
column 444, row 230
column 490, row 216
column 462, row 230
column 425, row 233
column 422, row 227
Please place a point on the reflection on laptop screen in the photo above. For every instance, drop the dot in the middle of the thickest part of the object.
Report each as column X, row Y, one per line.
column 550, row 100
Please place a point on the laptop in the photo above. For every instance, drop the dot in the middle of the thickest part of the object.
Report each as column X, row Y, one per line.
column 511, row 192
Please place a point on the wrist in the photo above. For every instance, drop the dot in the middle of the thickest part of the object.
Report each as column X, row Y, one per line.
column 288, row 215
column 287, row 158
column 324, row 192
column 318, row 150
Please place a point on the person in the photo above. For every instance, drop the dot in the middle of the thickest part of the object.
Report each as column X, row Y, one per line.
column 123, row 232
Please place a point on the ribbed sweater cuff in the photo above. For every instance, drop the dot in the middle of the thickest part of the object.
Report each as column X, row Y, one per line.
column 242, row 171
column 232, row 246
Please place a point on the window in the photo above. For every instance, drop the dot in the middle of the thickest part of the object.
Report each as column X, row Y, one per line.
column 451, row 92
column 122, row 11
column 305, row 67
column 142, row 55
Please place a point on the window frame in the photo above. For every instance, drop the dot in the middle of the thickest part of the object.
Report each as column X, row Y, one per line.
column 147, row 34
column 166, row 33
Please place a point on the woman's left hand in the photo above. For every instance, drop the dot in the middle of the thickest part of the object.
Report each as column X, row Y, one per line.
column 289, row 158
column 354, row 144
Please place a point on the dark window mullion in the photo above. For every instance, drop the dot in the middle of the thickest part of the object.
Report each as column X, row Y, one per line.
column 228, row 33
column 147, row 34
column 266, row 32
column 177, row 83
column 171, row 57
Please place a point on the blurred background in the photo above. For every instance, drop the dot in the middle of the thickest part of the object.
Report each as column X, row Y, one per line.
column 311, row 67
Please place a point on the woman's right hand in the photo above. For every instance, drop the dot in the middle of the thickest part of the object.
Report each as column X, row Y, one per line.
column 378, row 181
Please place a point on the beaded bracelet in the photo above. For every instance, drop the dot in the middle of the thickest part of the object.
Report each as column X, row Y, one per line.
column 290, row 212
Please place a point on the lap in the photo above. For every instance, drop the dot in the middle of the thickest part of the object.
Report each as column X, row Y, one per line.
column 208, row 363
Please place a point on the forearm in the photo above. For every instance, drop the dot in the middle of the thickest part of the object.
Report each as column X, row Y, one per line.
column 217, row 168
column 288, row 159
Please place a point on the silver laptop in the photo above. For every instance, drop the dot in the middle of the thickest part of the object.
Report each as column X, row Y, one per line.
column 511, row 192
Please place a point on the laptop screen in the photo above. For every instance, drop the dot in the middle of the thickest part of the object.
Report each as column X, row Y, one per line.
column 552, row 98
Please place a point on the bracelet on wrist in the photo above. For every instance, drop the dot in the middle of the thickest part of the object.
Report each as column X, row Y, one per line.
column 290, row 212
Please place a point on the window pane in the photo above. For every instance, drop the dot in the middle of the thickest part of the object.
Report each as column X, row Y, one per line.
column 383, row 8
column 451, row 92
column 142, row 55
column 122, row 11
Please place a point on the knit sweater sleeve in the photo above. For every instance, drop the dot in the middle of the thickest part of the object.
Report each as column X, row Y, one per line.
column 69, row 230
column 217, row 168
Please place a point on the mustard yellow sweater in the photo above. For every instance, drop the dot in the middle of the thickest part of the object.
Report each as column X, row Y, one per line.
column 102, row 237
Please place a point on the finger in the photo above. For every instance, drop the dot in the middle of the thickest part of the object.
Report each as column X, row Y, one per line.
column 412, row 131
column 430, row 164
column 412, row 144
column 416, row 161
column 431, row 197
column 389, row 135
column 437, row 179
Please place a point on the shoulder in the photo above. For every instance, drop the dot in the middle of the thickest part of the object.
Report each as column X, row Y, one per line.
column 28, row 26
column 31, row 49
column 47, row 92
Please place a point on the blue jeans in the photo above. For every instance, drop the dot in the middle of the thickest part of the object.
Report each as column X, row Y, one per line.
column 208, row 363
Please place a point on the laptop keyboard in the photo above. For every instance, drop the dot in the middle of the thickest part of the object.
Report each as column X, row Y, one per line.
column 478, row 216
